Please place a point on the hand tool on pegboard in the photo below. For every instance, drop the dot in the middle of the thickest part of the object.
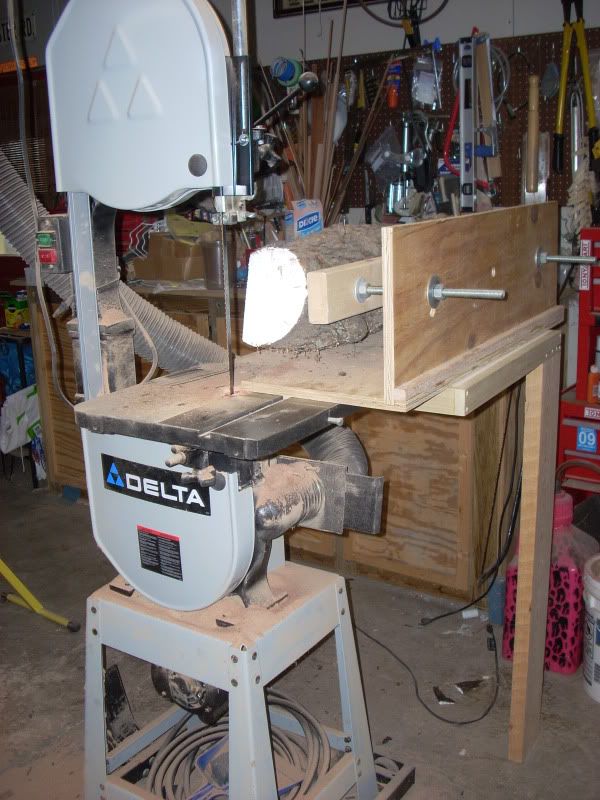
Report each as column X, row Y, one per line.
column 536, row 146
column 533, row 136
column 340, row 186
column 578, row 28
column 467, row 107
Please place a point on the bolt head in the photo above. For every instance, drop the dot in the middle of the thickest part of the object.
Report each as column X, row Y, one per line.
column 360, row 290
column 434, row 291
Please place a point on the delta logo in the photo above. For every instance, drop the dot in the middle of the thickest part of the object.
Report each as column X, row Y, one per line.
column 153, row 485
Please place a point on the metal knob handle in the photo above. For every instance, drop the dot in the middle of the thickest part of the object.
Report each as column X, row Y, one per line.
column 436, row 292
column 542, row 257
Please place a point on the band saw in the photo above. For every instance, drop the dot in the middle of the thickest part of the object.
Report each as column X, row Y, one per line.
column 189, row 495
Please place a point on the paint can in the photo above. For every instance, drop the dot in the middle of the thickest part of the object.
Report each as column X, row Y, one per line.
column 591, row 630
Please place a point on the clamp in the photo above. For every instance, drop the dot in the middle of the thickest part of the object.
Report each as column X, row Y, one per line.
column 577, row 27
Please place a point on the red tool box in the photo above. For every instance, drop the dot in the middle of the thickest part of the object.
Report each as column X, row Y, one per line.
column 579, row 419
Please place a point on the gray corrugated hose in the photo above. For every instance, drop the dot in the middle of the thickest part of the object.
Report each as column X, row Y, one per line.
column 178, row 347
column 16, row 215
column 340, row 446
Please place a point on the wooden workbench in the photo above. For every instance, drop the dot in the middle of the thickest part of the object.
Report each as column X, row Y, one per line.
column 454, row 359
column 538, row 362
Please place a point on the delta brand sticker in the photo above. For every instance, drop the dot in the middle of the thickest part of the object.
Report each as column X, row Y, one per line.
column 154, row 485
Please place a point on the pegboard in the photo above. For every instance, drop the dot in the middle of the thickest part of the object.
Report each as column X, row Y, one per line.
column 539, row 51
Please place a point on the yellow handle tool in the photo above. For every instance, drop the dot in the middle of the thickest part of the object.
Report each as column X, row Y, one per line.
column 578, row 28
column 24, row 598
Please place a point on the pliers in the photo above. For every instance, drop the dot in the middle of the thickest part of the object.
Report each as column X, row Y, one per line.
column 578, row 27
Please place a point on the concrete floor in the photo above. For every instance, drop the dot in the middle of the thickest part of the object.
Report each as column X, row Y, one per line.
column 48, row 542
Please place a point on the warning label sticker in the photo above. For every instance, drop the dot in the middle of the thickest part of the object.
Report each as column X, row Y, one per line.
column 160, row 552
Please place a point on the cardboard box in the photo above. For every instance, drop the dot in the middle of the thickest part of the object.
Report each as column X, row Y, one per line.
column 160, row 244
column 171, row 260
column 170, row 269
column 306, row 217
column 183, row 249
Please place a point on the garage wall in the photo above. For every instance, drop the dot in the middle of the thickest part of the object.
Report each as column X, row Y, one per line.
column 275, row 37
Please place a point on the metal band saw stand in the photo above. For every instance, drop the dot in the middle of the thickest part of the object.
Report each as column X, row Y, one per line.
column 242, row 660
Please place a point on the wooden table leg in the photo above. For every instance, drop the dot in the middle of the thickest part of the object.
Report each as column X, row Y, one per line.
column 539, row 457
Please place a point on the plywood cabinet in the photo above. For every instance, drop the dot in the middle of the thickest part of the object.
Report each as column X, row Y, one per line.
column 440, row 475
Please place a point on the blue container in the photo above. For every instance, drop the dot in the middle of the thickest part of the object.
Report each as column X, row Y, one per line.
column 496, row 601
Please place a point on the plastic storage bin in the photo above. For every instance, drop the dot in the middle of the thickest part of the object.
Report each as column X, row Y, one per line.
column 564, row 624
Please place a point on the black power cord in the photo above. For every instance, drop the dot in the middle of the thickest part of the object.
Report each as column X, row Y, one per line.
column 503, row 554
column 492, row 573
column 510, row 488
column 509, row 538
column 497, row 484
column 492, row 646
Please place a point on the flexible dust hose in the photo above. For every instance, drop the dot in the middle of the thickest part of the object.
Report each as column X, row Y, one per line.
column 340, row 446
column 17, row 221
column 178, row 347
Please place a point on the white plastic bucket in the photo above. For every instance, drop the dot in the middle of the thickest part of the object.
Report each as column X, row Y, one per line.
column 591, row 628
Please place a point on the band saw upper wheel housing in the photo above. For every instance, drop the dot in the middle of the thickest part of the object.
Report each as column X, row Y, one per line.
column 143, row 90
